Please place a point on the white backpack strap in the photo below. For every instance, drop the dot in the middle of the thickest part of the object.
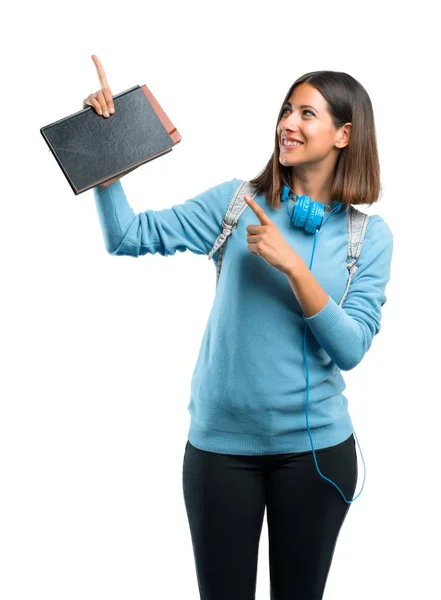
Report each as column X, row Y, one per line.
column 357, row 224
column 234, row 210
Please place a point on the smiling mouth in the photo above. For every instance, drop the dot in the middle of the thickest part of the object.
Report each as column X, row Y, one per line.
column 291, row 145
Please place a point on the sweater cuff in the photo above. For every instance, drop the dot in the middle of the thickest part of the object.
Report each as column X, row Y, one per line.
column 326, row 318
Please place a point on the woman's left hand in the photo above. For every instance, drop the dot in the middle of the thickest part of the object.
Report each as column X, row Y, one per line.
column 266, row 241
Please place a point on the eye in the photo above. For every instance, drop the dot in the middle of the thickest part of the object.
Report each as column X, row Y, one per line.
column 284, row 110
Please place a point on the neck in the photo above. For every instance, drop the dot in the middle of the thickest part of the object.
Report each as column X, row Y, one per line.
column 314, row 181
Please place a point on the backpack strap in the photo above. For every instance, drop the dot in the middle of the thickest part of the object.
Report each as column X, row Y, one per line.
column 234, row 210
column 357, row 224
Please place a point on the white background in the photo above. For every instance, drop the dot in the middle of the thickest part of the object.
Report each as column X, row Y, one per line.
column 98, row 351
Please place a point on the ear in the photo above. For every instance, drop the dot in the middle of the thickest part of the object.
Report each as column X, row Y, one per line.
column 343, row 135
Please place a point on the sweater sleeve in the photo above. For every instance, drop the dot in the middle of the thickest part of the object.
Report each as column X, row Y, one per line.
column 346, row 332
column 193, row 225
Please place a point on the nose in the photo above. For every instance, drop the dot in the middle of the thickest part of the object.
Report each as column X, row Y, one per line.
column 291, row 122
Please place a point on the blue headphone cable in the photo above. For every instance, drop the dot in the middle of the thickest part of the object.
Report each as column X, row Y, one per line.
column 307, row 375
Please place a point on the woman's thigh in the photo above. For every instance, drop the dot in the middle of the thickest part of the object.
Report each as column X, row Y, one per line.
column 305, row 514
column 225, row 502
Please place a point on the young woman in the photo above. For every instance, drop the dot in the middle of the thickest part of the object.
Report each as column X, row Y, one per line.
column 249, row 447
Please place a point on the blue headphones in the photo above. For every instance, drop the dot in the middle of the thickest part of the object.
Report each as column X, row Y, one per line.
column 309, row 215
column 306, row 213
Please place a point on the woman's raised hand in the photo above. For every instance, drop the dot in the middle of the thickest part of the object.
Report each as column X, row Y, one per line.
column 102, row 100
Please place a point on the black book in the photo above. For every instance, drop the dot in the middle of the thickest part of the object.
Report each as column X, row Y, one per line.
column 93, row 150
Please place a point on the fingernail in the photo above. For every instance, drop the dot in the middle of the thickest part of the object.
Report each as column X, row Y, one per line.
column 111, row 110
column 106, row 114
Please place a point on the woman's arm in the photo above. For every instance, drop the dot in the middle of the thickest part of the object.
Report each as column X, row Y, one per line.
column 193, row 225
column 309, row 293
column 346, row 333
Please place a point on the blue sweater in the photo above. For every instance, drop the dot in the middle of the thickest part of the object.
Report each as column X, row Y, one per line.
column 248, row 390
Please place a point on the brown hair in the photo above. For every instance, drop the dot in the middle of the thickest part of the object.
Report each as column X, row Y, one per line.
column 357, row 170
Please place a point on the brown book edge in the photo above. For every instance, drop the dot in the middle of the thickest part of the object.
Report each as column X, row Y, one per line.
column 169, row 127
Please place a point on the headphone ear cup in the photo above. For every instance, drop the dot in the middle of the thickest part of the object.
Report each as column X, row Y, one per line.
column 308, row 214
column 315, row 217
column 301, row 211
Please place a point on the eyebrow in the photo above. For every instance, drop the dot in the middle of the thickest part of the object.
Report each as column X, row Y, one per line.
column 302, row 106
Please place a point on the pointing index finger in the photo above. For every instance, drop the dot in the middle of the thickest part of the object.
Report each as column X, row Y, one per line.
column 258, row 211
column 101, row 74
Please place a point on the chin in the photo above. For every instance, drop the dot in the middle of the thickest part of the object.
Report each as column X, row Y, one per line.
column 287, row 161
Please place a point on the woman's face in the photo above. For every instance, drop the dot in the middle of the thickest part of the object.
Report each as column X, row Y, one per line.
column 305, row 117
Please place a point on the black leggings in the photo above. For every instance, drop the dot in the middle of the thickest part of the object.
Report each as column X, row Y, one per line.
column 225, row 497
